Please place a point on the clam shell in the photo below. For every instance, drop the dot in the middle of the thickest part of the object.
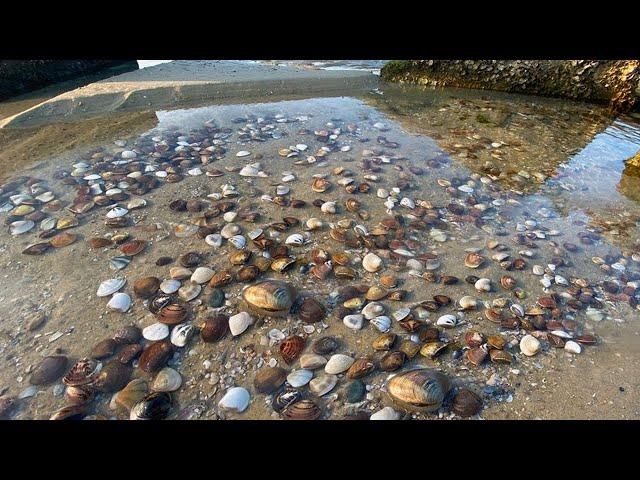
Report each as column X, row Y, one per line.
column 323, row 384
column 131, row 394
column 155, row 332
column 311, row 311
column 384, row 342
column 354, row 322
column 239, row 323
column 20, row 227
column 371, row 262
column 119, row 262
column 325, row 345
column 214, row 328
column 133, row 247
column 120, row 302
column 155, row 406
column 296, row 239
column 392, row 361
column 372, row 310
column 167, row 380
column 447, row 321
column 236, row 399
column 270, row 296
column 189, row 290
column 155, row 356
column 37, row 248
column 63, row 239
column 419, row 389
column 299, row 378
column 291, row 348
column 146, row 287
column 181, row 334
column 312, row 361
column 360, row 368
column 113, row 377
column 466, row 403
column 83, row 372
column 172, row 314
column 338, row 363
column 382, row 323
column 302, row 410
column 110, row 286
column 387, row 413
column 529, row 345
column 269, row 379
column 170, row 286
column 49, row 369
column 202, row 275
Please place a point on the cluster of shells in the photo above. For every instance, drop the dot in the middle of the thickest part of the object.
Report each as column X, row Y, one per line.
column 496, row 321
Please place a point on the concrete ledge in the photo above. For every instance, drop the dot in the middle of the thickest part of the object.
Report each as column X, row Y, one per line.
column 182, row 82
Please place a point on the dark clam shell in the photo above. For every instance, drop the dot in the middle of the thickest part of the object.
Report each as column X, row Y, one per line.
column 291, row 348
column 113, row 377
column 155, row 406
column 311, row 311
column 285, row 397
column 214, row 328
column 360, row 368
column 325, row 345
column 393, row 361
column 160, row 301
column 248, row 273
column 82, row 373
column 466, row 403
column 70, row 412
column 269, row 379
column 50, row 369
column 146, row 287
column 79, row 395
column 190, row 259
column 155, row 356
column 103, row 349
column 476, row 355
column 37, row 248
column 172, row 314
column 133, row 247
column 129, row 352
column 302, row 410
column 128, row 334
column 221, row 279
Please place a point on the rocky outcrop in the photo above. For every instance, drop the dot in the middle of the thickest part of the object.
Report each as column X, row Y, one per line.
column 616, row 83
column 20, row 76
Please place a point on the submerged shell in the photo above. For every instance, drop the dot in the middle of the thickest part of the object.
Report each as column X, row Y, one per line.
column 302, row 410
column 371, row 262
column 299, row 378
column 110, row 286
column 155, row 406
column 466, row 403
column 291, row 348
column 529, row 345
column 323, row 384
column 311, row 311
column 167, row 380
column 214, row 328
column 338, row 363
column 236, row 399
column 422, row 388
column 269, row 379
column 270, row 296
column 239, row 323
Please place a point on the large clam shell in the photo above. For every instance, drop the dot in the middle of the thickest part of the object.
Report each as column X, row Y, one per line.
column 270, row 296
column 236, row 399
column 155, row 406
column 302, row 410
column 419, row 389
column 110, row 286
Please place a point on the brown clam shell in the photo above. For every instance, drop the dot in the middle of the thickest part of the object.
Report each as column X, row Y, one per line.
column 37, row 248
column 473, row 338
column 302, row 410
column 473, row 260
column 466, row 403
column 172, row 314
column 270, row 296
column 103, row 349
column 221, row 279
column 311, row 311
column 214, row 328
column 508, row 282
column 248, row 274
column 63, row 239
column 129, row 352
column 325, row 345
column 393, row 361
column 500, row 356
column 476, row 355
column 78, row 395
column 291, row 348
column 83, row 372
column 360, row 368
column 320, row 185
column 384, row 342
column 128, row 334
column 420, row 389
column 269, row 379
column 70, row 412
column 49, row 369
column 133, row 247
column 113, row 377
column 146, row 287
column 155, row 356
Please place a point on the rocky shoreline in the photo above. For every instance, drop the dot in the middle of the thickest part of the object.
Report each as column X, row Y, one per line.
column 616, row 83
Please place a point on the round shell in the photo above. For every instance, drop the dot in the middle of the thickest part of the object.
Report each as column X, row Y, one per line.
column 291, row 348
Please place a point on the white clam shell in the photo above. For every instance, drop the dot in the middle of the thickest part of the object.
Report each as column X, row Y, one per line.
column 236, row 398
column 202, row 275
column 136, row 203
column 529, row 345
column 314, row 223
column 338, row 363
column 189, row 290
column 230, row 216
column 328, row 207
column 181, row 334
column 372, row 310
column 243, row 153
column 120, row 302
column 21, row 226
column 170, row 286
column 447, row 321
column 323, row 384
column 128, row 154
column 155, row 332
column 213, row 240
column 371, row 262
column 230, row 230
column 354, row 322
column 382, row 323
column 387, row 413
column 238, row 241
column 295, row 239
column 299, row 378
column 401, row 314
column 117, row 212
column 483, row 285
column 239, row 323
column 573, row 347
column 407, row 202
column 167, row 380
column 311, row 361
column 110, row 286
